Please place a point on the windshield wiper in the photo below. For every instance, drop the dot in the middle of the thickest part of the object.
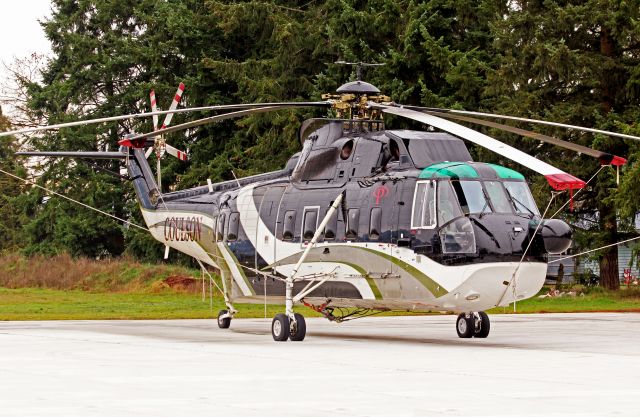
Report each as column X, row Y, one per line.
column 515, row 200
column 486, row 203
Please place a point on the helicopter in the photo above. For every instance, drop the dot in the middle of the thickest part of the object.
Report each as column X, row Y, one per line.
column 363, row 219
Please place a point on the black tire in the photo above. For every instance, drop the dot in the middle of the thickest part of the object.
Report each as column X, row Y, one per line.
column 485, row 325
column 280, row 328
column 465, row 326
column 223, row 323
column 299, row 330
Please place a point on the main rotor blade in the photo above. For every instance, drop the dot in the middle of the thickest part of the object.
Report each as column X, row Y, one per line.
column 214, row 119
column 79, row 154
column 523, row 119
column 158, row 113
column 604, row 157
column 558, row 179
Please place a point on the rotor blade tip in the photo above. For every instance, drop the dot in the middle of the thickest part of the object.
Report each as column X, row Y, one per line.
column 564, row 181
column 618, row 161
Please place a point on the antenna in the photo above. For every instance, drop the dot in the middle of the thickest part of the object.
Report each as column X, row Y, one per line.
column 359, row 66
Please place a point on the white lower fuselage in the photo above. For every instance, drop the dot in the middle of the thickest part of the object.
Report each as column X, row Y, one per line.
column 383, row 275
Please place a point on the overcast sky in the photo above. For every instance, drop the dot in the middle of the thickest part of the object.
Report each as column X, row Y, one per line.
column 20, row 32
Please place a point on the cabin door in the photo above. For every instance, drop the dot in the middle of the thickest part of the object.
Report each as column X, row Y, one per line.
column 266, row 226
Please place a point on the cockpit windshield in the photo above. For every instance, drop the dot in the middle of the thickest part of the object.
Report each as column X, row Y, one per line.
column 481, row 197
column 522, row 198
column 498, row 196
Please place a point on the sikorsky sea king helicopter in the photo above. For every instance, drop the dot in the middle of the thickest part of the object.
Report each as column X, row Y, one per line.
column 363, row 219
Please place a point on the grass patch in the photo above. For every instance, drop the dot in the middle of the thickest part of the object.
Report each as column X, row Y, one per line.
column 585, row 300
column 48, row 304
column 62, row 272
column 63, row 288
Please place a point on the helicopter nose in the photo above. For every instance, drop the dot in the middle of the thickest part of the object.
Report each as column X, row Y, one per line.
column 556, row 236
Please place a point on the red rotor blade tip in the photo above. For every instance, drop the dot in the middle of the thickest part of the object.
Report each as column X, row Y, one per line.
column 564, row 182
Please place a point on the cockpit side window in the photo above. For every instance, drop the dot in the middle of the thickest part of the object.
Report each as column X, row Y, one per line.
column 448, row 207
column 424, row 206
column 471, row 196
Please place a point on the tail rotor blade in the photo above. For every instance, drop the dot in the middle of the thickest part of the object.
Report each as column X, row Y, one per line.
column 174, row 105
column 148, row 152
column 177, row 153
column 154, row 108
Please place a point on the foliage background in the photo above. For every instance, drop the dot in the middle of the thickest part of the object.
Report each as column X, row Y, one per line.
column 568, row 61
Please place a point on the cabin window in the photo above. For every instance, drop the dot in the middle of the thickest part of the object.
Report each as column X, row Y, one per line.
column 234, row 223
column 310, row 223
column 289, row 225
column 353, row 220
column 346, row 150
column 375, row 223
column 424, row 206
column 332, row 226
column 220, row 227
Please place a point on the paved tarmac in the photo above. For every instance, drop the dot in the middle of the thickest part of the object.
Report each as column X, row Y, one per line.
column 531, row 365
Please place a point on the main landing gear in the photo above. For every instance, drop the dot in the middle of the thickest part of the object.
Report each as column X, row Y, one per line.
column 282, row 328
column 475, row 324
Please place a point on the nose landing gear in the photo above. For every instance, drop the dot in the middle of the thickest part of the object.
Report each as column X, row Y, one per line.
column 475, row 324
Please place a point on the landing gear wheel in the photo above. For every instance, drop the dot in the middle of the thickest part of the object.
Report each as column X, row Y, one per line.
column 465, row 325
column 482, row 330
column 223, row 323
column 280, row 329
column 298, row 329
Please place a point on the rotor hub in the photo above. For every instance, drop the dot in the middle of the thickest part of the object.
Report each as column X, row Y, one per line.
column 353, row 98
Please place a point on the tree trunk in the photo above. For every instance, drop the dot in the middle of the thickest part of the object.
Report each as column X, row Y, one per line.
column 608, row 218
column 609, row 278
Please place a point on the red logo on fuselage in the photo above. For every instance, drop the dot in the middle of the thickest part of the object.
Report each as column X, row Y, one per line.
column 380, row 193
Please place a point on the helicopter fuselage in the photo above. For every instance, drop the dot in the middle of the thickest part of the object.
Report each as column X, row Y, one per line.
column 420, row 226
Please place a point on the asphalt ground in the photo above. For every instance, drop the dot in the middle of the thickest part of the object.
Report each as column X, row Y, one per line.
column 531, row 365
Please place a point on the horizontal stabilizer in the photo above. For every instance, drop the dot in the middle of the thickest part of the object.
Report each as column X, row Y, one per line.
column 85, row 155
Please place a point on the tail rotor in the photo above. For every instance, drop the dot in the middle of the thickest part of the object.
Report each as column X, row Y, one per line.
column 160, row 145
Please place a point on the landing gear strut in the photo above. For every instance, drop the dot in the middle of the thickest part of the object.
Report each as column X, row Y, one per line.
column 291, row 325
column 473, row 325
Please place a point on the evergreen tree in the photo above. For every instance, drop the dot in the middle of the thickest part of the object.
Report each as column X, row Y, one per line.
column 10, row 191
column 576, row 62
